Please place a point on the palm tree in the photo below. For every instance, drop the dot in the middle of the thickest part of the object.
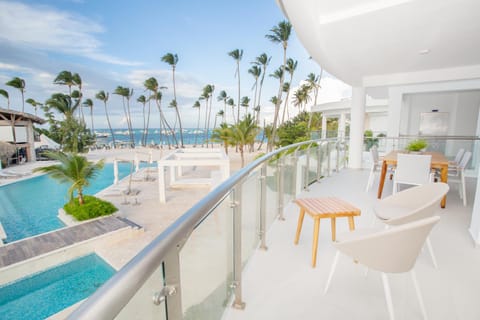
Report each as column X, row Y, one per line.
column 5, row 94
column 237, row 56
column 65, row 78
column 243, row 134
column 262, row 60
column 143, row 100
column 77, row 81
column 126, row 94
column 223, row 134
column 222, row 96
column 207, row 93
column 231, row 103
column 221, row 114
column 197, row 105
column 63, row 104
column 103, row 96
column 18, row 83
column 172, row 60
column 314, row 83
column 73, row 169
column 255, row 71
column 152, row 85
column 34, row 104
column 245, row 102
column 301, row 97
column 290, row 68
column 280, row 34
column 89, row 104
column 277, row 74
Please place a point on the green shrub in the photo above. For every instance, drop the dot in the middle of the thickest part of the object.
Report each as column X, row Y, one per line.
column 416, row 145
column 92, row 208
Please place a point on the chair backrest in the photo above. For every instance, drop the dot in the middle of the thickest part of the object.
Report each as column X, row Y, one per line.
column 391, row 250
column 413, row 169
column 374, row 154
column 459, row 156
column 411, row 204
column 465, row 159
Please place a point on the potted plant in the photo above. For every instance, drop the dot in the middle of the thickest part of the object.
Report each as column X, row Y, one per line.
column 417, row 145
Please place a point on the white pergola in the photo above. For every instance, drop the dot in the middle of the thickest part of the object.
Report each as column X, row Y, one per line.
column 192, row 157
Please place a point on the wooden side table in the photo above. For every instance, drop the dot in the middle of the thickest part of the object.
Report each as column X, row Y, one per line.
column 318, row 208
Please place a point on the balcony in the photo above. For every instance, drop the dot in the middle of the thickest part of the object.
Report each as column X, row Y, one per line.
column 232, row 255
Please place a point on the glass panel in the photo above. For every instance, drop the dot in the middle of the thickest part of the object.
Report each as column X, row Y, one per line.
column 312, row 170
column 301, row 168
column 324, row 158
column 288, row 178
column 206, row 265
column 271, row 192
column 141, row 305
column 250, row 214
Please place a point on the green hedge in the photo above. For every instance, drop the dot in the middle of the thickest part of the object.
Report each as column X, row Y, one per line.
column 92, row 208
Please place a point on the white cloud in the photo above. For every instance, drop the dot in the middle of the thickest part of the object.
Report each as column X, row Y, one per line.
column 46, row 28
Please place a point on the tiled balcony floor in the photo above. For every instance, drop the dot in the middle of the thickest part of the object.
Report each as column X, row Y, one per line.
column 281, row 284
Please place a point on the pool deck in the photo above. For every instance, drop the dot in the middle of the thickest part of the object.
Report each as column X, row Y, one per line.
column 22, row 250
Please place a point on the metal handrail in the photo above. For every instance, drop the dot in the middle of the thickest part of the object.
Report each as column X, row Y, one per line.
column 115, row 294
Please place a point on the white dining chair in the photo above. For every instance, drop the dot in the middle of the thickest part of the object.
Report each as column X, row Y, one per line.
column 458, row 157
column 376, row 166
column 457, row 175
column 412, row 170
column 410, row 205
column 393, row 250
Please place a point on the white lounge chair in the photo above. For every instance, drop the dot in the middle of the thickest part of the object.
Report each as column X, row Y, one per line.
column 457, row 175
column 393, row 250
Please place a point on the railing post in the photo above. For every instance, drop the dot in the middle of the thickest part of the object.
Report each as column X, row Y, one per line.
column 263, row 206
column 319, row 161
column 172, row 292
column 307, row 169
column 294, row 164
column 328, row 159
column 337, row 146
column 237, row 247
column 280, row 165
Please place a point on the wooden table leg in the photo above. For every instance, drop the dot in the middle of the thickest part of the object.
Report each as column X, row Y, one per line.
column 334, row 228
column 315, row 242
column 351, row 223
column 382, row 179
column 444, row 178
column 300, row 223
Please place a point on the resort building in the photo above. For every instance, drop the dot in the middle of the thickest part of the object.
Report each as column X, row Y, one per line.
column 17, row 128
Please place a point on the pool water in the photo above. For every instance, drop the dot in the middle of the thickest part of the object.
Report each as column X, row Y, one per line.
column 30, row 207
column 48, row 292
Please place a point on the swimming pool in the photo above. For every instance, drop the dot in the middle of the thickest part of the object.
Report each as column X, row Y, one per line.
column 30, row 207
column 48, row 292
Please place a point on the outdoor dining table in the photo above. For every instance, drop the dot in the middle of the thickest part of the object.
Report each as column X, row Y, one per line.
column 439, row 161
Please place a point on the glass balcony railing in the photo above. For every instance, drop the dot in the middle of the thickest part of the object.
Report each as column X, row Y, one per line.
column 193, row 270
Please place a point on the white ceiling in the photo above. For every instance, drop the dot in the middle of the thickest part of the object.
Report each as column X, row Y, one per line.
column 354, row 39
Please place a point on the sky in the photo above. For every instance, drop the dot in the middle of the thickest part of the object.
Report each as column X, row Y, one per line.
column 120, row 43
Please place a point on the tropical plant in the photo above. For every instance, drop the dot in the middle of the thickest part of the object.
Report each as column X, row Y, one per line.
column 280, row 34
column 88, row 103
column 245, row 102
column 197, row 105
column 152, row 85
column 301, row 97
column 34, row 104
column 172, row 60
column 207, row 93
column 237, row 56
column 65, row 78
column 18, row 83
column 5, row 94
column 222, row 96
column 231, row 104
column 290, row 68
column 416, row 145
column 262, row 60
column 314, row 83
column 243, row 134
column 92, row 208
column 74, row 169
column 103, row 96
column 126, row 94
column 255, row 71
column 143, row 100
column 223, row 134
column 77, row 81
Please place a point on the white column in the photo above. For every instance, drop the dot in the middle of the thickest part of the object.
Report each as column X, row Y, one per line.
column 341, row 126
column 161, row 183
column 324, row 126
column 357, row 120
column 115, row 171
column 395, row 101
column 137, row 163
column 475, row 222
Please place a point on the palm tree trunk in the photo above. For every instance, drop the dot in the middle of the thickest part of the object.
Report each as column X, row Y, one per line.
column 130, row 128
column 209, row 115
column 205, row 134
column 144, row 126
column 176, row 108
column 148, row 123
column 279, row 99
column 257, row 118
column 109, row 125
column 198, row 127
column 91, row 119
column 225, row 111
column 238, row 107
